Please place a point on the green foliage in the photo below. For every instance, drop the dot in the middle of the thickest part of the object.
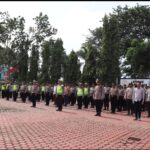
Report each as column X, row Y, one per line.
column 89, row 70
column 72, row 68
column 138, row 57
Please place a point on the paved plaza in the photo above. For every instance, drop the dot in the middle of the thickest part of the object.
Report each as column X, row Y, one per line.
column 24, row 127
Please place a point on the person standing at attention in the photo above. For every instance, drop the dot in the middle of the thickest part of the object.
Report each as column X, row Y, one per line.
column 138, row 97
column 99, row 95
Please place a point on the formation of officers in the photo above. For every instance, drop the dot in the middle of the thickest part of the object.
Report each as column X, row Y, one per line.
column 132, row 98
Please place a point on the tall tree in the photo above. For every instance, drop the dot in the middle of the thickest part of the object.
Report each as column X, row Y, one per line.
column 46, row 55
column 20, row 44
column 110, row 50
column 72, row 69
column 56, row 61
column 42, row 31
column 89, row 70
column 138, row 57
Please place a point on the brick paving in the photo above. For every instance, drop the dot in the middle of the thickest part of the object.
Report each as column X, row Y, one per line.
column 23, row 127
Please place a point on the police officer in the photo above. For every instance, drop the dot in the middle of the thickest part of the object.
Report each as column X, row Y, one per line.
column 91, row 95
column 23, row 90
column 72, row 95
column 29, row 87
column 10, row 90
column 15, row 91
column 113, row 97
column 80, row 96
column 3, row 88
column 43, row 92
column 59, row 95
column 106, row 99
column 86, row 95
column 47, row 94
column 99, row 95
column 34, row 92
column 7, row 91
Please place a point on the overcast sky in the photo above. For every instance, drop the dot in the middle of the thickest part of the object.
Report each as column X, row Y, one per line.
column 72, row 19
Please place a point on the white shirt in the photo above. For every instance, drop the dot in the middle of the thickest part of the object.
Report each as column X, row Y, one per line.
column 106, row 89
column 148, row 95
column 91, row 91
column 138, row 94
column 54, row 92
column 128, row 93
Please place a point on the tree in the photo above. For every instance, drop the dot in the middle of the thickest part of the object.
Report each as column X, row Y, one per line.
column 46, row 54
column 72, row 68
column 110, row 50
column 42, row 31
column 20, row 45
column 138, row 57
column 56, row 61
column 89, row 70
column 133, row 24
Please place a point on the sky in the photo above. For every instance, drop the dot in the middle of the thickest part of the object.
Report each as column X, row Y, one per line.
column 72, row 19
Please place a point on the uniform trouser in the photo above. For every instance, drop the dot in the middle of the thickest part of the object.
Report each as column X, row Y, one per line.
column 23, row 96
column 66, row 100
column 86, row 101
column 60, row 101
column 47, row 98
column 54, row 99
column 113, row 103
column 38, row 97
column 106, row 101
column 148, row 108
column 99, row 105
column 143, row 106
column 7, row 94
column 72, row 99
column 80, row 101
column 3, row 93
column 129, row 106
column 34, row 99
column 15, row 95
column 43, row 96
column 120, row 103
column 124, row 104
column 29, row 96
column 92, row 101
column 10, row 94
column 137, row 106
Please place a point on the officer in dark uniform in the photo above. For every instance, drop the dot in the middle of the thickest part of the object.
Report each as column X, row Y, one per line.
column 3, row 88
column 80, row 94
column 15, row 91
column 59, row 95
column 47, row 93
column 7, row 91
column 34, row 92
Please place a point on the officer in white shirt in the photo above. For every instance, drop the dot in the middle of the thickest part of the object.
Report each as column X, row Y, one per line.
column 138, row 97
column 148, row 100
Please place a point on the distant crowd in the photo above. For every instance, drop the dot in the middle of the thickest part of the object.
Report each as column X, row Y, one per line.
column 131, row 98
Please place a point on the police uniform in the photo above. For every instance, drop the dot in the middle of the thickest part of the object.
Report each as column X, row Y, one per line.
column 80, row 96
column 86, row 96
column 113, row 98
column 59, row 96
column 47, row 94
column 34, row 92
column 23, row 93
column 29, row 87
column 15, row 91
column 7, row 91
column 43, row 92
column 3, row 88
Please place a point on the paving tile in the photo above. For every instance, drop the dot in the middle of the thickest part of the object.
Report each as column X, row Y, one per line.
column 23, row 127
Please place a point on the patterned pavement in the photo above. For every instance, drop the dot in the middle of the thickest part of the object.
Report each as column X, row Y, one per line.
column 24, row 127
